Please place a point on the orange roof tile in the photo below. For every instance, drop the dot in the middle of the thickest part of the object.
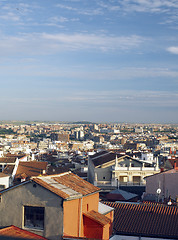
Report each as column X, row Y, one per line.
column 76, row 183
column 97, row 217
column 31, row 168
column 8, row 159
column 145, row 219
column 66, row 185
column 16, row 232
column 51, row 188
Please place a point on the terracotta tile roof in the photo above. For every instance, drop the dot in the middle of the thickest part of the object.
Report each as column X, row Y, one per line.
column 66, row 185
column 15, row 155
column 8, row 159
column 31, row 168
column 50, row 187
column 97, row 217
column 15, row 232
column 145, row 219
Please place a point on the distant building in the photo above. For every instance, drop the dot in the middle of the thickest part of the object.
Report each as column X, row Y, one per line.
column 133, row 146
column 60, row 137
column 108, row 169
column 138, row 130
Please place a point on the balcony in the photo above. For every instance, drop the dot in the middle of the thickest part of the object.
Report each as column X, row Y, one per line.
column 114, row 168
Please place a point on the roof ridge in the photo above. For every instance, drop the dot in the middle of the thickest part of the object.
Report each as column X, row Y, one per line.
column 54, row 175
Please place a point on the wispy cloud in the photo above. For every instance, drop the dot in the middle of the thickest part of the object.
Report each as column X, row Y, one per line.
column 102, row 42
column 153, row 6
column 10, row 17
column 34, row 68
column 45, row 43
column 147, row 98
column 82, row 11
column 173, row 50
column 169, row 8
column 104, row 98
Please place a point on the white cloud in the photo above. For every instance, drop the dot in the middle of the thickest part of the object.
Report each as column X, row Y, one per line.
column 82, row 11
column 123, row 98
column 10, row 17
column 44, row 43
column 169, row 8
column 149, row 5
column 58, row 19
column 173, row 50
column 102, row 42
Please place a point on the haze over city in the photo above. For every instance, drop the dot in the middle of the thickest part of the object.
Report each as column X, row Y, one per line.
column 73, row 60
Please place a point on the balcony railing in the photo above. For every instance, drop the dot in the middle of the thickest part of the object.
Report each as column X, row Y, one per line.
column 109, row 183
column 114, row 168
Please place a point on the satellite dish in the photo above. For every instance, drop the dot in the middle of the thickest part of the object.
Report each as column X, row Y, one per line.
column 158, row 190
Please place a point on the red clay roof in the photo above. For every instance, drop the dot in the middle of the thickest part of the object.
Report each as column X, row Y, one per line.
column 66, row 185
column 31, row 168
column 145, row 219
column 15, row 232
column 97, row 217
column 8, row 159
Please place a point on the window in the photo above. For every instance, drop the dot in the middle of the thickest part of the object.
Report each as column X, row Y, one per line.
column 34, row 217
column 2, row 186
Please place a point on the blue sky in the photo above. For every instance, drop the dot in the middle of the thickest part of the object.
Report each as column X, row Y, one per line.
column 97, row 60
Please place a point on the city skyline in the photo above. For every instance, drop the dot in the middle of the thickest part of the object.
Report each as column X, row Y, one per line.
column 99, row 61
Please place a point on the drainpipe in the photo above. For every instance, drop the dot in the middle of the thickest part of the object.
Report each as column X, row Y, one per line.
column 80, row 217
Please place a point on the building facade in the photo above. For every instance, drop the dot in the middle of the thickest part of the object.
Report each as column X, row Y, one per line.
column 108, row 169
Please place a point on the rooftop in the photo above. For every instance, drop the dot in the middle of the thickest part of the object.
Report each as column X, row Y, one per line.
column 145, row 219
column 97, row 217
column 66, row 185
column 8, row 159
column 31, row 168
column 14, row 232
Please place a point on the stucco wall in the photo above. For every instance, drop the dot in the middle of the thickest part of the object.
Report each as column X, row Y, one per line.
column 5, row 181
column 73, row 214
column 12, row 208
column 167, row 182
column 103, row 174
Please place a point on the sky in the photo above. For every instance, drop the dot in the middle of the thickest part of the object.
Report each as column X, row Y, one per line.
column 92, row 60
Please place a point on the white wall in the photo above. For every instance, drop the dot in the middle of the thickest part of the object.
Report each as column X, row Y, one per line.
column 5, row 181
